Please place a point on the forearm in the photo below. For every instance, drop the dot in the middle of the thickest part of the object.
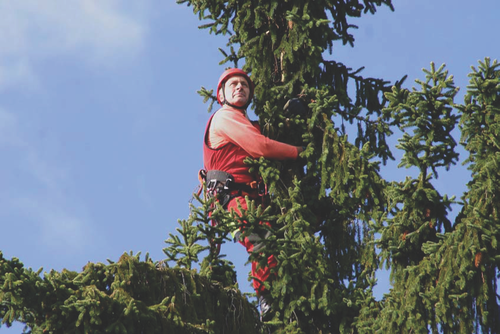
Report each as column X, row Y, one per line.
column 261, row 146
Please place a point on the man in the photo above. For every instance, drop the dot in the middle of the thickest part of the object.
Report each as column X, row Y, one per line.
column 230, row 137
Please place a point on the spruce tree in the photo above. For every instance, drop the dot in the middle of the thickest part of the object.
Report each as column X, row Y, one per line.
column 334, row 221
column 324, row 205
column 330, row 205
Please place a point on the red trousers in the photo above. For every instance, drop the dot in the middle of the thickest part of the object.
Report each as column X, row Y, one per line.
column 260, row 274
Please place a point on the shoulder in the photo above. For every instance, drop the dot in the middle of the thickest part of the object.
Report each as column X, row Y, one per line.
column 222, row 113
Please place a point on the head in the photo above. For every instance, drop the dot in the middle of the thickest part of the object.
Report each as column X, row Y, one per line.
column 235, row 88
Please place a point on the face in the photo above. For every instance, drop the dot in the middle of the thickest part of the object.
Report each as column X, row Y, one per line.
column 236, row 91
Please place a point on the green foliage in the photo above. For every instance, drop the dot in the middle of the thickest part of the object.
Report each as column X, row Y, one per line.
column 447, row 282
column 334, row 219
column 323, row 205
column 329, row 205
column 129, row 296
column 429, row 113
column 416, row 210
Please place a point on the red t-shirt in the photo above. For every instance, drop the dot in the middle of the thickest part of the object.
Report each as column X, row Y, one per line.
column 230, row 137
column 230, row 125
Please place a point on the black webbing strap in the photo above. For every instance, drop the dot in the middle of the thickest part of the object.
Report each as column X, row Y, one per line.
column 223, row 181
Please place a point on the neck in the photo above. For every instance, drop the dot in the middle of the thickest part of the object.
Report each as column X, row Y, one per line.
column 232, row 108
column 242, row 108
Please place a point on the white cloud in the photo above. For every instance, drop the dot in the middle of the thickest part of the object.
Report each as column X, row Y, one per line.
column 33, row 190
column 59, row 228
column 16, row 72
column 8, row 129
column 99, row 32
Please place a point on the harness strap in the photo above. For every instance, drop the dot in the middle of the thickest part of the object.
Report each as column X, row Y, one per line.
column 215, row 178
column 221, row 184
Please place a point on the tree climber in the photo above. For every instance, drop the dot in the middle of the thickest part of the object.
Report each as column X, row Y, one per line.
column 229, row 138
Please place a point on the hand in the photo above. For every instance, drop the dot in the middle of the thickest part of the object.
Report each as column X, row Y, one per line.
column 295, row 107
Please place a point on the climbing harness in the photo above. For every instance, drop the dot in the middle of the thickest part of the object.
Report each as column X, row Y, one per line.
column 221, row 185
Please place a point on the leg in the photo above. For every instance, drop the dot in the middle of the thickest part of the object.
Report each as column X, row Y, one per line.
column 260, row 274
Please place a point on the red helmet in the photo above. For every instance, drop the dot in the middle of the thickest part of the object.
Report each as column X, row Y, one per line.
column 231, row 73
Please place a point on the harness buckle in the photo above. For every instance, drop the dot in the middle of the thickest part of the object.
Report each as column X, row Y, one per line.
column 212, row 186
column 228, row 184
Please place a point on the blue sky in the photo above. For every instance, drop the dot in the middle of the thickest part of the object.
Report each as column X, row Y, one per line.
column 101, row 126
